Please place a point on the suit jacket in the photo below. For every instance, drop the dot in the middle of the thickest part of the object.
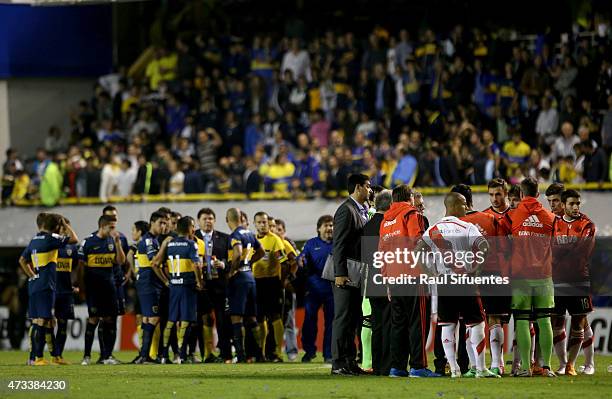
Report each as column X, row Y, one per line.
column 221, row 246
column 348, row 228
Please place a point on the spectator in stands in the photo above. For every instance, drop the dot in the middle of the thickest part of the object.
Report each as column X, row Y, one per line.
column 319, row 128
column 126, row 177
column 161, row 68
column 297, row 61
column 564, row 145
column 547, row 122
column 54, row 141
column 516, row 152
column 595, row 164
column 177, row 178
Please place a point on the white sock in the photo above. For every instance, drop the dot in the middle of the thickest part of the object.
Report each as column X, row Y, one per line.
column 449, row 344
column 469, row 347
column 587, row 346
column 560, row 343
column 516, row 356
column 533, row 345
column 496, row 340
column 574, row 344
column 479, row 345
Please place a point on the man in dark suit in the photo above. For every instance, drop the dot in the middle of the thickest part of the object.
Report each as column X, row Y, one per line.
column 381, row 311
column 212, row 298
column 349, row 221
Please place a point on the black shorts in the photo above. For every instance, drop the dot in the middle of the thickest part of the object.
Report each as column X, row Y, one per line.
column 164, row 303
column 101, row 295
column 498, row 306
column 64, row 306
column 136, row 299
column 120, row 299
column 450, row 308
column 269, row 296
column 574, row 305
column 212, row 297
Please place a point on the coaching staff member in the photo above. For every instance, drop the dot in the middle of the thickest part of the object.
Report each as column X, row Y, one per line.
column 349, row 221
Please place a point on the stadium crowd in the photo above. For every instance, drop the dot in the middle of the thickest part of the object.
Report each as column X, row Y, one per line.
column 299, row 115
column 191, row 279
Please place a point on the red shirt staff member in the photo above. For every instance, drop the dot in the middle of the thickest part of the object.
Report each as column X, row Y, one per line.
column 410, row 309
column 532, row 289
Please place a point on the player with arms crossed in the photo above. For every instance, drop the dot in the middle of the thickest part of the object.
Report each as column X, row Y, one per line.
column 573, row 247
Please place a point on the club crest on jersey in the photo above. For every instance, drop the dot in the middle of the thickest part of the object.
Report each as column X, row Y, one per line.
column 111, row 247
column 69, row 252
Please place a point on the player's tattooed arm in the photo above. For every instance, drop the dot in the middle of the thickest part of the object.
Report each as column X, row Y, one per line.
column 25, row 266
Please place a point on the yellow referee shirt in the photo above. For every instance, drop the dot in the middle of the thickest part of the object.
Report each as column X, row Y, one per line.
column 268, row 266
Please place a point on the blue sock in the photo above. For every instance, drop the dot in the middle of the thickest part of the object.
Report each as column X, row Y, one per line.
column 60, row 338
column 90, row 330
column 110, row 336
column 238, row 340
column 40, row 341
column 147, row 336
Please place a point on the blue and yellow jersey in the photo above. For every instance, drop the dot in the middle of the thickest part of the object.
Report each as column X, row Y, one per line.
column 42, row 252
column 147, row 282
column 249, row 243
column 181, row 258
column 67, row 261
column 267, row 266
column 118, row 269
column 99, row 255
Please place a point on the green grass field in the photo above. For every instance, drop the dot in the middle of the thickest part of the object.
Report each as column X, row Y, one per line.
column 287, row 380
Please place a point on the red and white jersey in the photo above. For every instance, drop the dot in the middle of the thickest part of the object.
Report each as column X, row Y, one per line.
column 572, row 250
column 453, row 239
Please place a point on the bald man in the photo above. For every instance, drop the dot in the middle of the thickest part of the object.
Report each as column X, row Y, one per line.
column 245, row 249
column 452, row 236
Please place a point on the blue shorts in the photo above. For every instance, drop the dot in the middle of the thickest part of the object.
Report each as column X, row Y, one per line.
column 40, row 304
column 101, row 295
column 242, row 295
column 149, row 303
column 183, row 303
column 64, row 306
column 120, row 299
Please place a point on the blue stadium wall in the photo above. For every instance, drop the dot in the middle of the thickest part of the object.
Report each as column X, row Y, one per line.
column 73, row 41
